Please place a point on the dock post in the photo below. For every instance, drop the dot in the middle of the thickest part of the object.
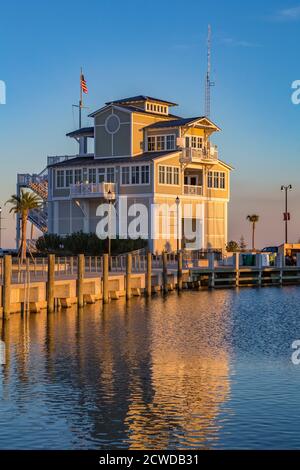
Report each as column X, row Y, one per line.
column 179, row 270
column 236, row 266
column 259, row 267
column 149, row 274
column 80, row 277
column 105, row 266
column 50, row 283
column 165, row 272
column 6, row 286
column 128, row 275
column 211, row 265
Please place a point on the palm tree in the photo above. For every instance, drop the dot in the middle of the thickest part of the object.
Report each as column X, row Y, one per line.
column 253, row 219
column 21, row 205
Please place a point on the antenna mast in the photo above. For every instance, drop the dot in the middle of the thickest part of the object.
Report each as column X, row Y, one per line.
column 208, row 82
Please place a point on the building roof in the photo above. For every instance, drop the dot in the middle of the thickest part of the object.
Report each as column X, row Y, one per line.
column 179, row 122
column 141, row 98
column 134, row 109
column 82, row 132
column 91, row 160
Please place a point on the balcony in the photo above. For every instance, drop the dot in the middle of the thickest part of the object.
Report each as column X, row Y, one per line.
column 93, row 190
column 192, row 190
column 205, row 155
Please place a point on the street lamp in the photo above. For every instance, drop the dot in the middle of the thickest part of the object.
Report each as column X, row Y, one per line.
column 177, row 200
column 286, row 215
column 109, row 198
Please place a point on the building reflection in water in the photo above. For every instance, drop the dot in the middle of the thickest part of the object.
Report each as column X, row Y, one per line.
column 148, row 374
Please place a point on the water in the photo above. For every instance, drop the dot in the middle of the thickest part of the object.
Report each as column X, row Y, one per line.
column 202, row 370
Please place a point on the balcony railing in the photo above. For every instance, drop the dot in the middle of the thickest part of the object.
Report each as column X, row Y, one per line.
column 93, row 190
column 193, row 190
column 204, row 155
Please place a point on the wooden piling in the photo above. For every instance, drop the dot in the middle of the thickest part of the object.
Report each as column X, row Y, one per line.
column 237, row 269
column 128, row 275
column 105, row 264
column 80, row 278
column 165, row 272
column 7, row 271
column 50, row 283
column 179, row 271
column 149, row 275
column 212, row 268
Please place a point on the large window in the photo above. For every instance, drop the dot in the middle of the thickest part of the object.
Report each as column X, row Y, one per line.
column 78, row 176
column 160, row 143
column 216, row 180
column 69, row 177
column 60, row 178
column 168, row 175
column 92, row 175
column 110, row 175
column 101, row 175
column 138, row 174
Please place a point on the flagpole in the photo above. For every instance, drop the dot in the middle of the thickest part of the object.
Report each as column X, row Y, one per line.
column 80, row 100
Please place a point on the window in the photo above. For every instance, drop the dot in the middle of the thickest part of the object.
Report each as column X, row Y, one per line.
column 78, row 177
column 101, row 175
column 161, row 175
column 110, row 175
column 145, row 174
column 151, row 144
column 135, row 175
column 125, row 175
column 216, row 180
column 170, row 142
column 160, row 143
column 196, row 142
column 168, row 175
column 176, row 176
column 92, row 175
column 69, row 177
column 60, row 178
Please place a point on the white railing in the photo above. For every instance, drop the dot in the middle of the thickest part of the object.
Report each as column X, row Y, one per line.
column 193, row 190
column 209, row 154
column 89, row 189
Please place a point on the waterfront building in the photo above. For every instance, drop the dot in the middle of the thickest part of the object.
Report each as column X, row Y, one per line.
column 143, row 151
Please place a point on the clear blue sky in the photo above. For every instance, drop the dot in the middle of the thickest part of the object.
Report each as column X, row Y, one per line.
column 158, row 48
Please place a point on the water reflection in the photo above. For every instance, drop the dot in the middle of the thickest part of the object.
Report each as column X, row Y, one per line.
column 139, row 375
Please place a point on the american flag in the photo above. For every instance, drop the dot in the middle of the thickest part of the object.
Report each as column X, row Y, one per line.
column 83, row 84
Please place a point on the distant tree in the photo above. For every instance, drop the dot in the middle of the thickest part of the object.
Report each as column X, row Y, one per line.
column 232, row 247
column 253, row 219
column 243, row 244
column 21, row 205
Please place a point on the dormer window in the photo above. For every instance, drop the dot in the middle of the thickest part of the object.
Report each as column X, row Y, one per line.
column 159, row 143
column 157, row 108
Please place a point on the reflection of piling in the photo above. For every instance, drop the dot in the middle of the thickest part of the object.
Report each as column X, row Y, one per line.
column 50, row 283
column 149, row 275
column 165, row 272
column 7, row 285
column 128, row 275
column 80, row 277
column 105, row 278
column 179, row 271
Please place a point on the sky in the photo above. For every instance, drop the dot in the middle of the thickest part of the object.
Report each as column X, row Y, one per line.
column 158, row 48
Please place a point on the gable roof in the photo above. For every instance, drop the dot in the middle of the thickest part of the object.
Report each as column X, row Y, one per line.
column 141, row 98
column 183, row 122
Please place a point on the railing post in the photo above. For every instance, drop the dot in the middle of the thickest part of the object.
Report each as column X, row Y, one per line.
column 7, row 286
column 165, row 272
column 236, row 260
column 179, row 271
column 128, row 275
column 80, row 278
column 50, row 283
column 149, row 275
column 105, row 263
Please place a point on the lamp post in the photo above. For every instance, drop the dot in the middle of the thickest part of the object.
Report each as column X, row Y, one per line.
column 109, row 198
column 177, row 200
column 286, row 216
